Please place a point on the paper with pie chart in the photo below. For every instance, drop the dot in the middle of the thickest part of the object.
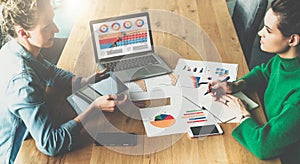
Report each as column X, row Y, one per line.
column 163, row 120
column 174, row 118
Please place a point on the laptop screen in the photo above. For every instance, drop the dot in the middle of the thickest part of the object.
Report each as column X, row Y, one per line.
column 121, row 35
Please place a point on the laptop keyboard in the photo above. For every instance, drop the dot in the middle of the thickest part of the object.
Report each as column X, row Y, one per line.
column 130, row 63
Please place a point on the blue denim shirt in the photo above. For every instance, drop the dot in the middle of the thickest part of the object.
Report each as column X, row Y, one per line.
column 22, row 104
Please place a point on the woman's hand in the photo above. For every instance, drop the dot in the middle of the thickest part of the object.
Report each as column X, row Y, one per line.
column 234, row 103
column 219, row 88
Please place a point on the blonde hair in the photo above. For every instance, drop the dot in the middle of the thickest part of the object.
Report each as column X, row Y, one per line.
column 22, row 13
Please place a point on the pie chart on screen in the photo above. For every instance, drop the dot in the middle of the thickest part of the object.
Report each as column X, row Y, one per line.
column 163, row 121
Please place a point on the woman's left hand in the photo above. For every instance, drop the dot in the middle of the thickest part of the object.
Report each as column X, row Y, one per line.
column 234, row 103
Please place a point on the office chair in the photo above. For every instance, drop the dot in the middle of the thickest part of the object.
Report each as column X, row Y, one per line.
column 247, row 16
column 258, row 56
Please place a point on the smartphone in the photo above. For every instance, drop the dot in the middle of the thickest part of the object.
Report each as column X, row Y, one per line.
column 116, row 139
column 206, row 130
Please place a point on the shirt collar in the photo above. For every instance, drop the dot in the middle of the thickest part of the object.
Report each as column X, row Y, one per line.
column 38, row 64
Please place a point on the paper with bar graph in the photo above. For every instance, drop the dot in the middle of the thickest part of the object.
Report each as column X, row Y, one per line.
column 193, row 73
column 175, row 118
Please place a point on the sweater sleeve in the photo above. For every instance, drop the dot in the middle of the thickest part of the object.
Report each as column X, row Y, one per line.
column 271, row 139
column 258, row 77
column 60, row 78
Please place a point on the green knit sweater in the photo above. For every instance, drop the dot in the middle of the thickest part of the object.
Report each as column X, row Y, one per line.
column 280, row 136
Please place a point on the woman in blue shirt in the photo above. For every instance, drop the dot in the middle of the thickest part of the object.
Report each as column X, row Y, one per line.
column 24, row 78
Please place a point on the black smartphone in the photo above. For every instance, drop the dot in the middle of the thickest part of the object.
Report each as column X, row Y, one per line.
column 115, row 139
column 206, row 130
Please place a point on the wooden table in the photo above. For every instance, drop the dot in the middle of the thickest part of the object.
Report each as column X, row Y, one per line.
column 179, row 27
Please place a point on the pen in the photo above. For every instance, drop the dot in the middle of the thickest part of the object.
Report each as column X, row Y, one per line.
column 203, row 108
column 89, row 85
column 119, row 97
column 202, row 83
column 230, row 119
column 224, row 80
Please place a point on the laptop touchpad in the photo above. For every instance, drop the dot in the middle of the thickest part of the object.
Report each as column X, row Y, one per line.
column 149, row 70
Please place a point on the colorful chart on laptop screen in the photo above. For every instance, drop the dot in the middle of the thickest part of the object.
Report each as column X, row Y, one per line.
column 123, row 38
column 139, row 22
column 116, row 26
column 127, row 24
column 103, row 28
column 163, row 121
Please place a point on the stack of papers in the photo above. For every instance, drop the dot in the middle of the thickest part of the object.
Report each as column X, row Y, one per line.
column 192, row 79
column 185, row 88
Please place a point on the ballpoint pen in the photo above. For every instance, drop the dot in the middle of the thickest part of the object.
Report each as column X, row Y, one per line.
column 224, row 80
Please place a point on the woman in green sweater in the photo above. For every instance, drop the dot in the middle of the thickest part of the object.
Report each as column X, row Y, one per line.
column 280, row 136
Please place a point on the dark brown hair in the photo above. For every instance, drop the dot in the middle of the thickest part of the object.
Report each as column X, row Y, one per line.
column 289, row 16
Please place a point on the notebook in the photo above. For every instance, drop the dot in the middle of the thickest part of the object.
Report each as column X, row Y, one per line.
column 124, row 45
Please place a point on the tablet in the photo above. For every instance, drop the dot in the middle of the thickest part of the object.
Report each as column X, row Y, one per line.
column 115, row 139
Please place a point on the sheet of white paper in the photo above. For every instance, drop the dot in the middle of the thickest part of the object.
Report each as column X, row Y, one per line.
column 193, row 78
column 218, row 109
column 192, row 72
column 157, row 87
column 156, row 92
column 174, row 118
column 133, row 87
column 163, row 80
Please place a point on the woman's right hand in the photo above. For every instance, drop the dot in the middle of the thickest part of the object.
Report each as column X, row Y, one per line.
column 218, row 89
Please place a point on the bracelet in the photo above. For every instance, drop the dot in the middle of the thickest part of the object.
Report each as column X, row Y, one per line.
column 244, row 117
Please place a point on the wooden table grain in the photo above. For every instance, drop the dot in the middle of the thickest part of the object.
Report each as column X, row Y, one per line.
column 191, row 29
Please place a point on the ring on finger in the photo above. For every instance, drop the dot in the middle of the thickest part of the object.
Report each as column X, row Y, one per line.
column 226, row 102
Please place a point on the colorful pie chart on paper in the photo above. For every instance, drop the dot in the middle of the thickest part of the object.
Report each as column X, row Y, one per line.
column 163, row 121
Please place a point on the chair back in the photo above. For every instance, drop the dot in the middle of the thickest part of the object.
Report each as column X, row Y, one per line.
column 247, row 17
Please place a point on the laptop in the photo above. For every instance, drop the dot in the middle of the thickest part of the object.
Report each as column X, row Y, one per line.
column 124, row 45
